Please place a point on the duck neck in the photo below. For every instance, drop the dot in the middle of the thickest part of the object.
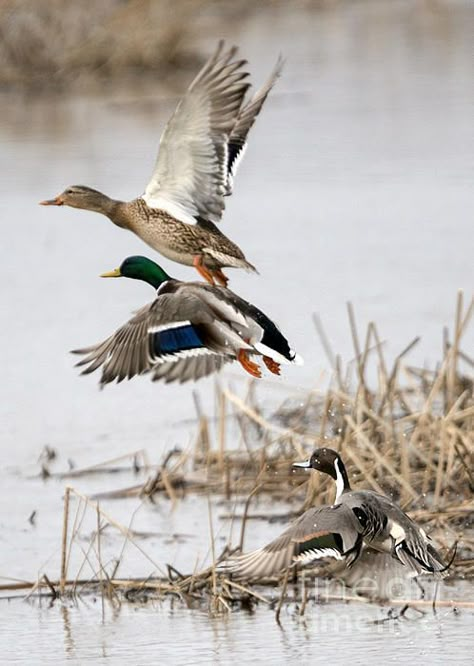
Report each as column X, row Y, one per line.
column 151, row 273
column 96, row 201
column 116, row 211
column 157, row 278
column 342, row 480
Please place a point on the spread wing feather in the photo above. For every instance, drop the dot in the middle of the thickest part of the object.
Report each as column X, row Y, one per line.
column 246, row 118
column 134, row 348
column 326, row 531
column 190, row 174
column 205, row 139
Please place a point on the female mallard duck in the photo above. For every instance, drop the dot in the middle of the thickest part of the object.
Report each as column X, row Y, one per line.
column 357, row 520
column 200, row 150
column 190, row 330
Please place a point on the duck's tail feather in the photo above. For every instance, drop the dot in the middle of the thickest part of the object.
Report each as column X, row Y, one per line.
column 432, row 563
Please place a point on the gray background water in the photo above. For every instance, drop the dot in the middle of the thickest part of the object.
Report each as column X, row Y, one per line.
column 357, row 185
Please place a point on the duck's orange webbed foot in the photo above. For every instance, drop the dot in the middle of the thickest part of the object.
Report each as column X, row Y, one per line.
column 248, row 365
column 219, row 277
column 272, row 365
column 202, row 270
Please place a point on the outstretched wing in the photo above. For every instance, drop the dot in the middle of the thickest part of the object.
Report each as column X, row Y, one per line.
column 327, row 531
column 246, row 118
column 167, row 336
column 187, row 369
column 191, row 170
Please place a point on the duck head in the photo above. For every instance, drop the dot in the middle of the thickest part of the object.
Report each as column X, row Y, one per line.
column 80, row 196
column 324, row 460
column 140, row 268
column 329, row 462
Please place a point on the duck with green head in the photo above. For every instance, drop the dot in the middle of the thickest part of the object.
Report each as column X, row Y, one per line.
column 200, row 150
column 189, row 331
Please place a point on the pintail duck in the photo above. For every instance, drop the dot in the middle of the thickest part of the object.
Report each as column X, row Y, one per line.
column 189, row 331
column 200, row 150
column 357, row 520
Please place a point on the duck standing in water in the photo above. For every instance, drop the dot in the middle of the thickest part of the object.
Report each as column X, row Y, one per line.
column 189, row 331
column 200, row 150
column 358, row 519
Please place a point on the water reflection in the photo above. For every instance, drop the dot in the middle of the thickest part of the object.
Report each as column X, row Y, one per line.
column 69, row 645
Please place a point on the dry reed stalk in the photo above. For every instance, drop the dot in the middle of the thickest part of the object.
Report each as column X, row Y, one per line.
column 451, row 378
column 338, row 374
column 384, row 462
column 462, row 414
column 247, row 590
column 366, row 393
column 87, row 559
column 51, row 587
column 101, row 569
column 461, row 455
column 244, row 518
column 324, row 415
column 169, row 488
column 78, row 519
column 364, row 468
column 123, row 530
column 450, row 460
column 102, row 466
column 306, row 595
column 280, row 433
column 64, row 540
column 282, row 596
column 215, row 597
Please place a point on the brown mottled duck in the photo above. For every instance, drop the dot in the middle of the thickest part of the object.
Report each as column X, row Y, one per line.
column 200, row 150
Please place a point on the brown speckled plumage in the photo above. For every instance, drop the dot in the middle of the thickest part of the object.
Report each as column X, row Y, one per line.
column 179, row 241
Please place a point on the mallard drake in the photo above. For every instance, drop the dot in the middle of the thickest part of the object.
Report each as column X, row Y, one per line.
column 190, row 330
column 357, row 520
column 200, row 150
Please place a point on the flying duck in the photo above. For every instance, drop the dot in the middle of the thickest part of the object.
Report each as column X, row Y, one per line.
column 189, row 331
column 200, row 150
column 358, row 519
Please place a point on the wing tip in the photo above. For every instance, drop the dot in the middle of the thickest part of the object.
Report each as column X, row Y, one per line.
column 297, row 359
column 278, row 69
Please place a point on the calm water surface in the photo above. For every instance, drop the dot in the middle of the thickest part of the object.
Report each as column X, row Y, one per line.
column 357, row 185
column 158, row 634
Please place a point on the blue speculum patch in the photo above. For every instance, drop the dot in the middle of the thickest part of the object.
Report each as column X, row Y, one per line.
column 176, row 339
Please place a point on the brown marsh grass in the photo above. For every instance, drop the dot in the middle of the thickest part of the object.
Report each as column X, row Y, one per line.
column 55, row 43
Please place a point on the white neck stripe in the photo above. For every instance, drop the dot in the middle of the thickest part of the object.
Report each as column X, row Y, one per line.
column 161, row 286
column 339, row 481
